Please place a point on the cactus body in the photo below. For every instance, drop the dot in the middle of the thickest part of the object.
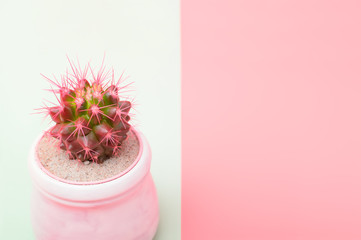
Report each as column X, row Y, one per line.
column 91, row 121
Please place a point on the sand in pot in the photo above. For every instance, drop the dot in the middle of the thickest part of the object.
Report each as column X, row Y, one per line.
column 57, row 162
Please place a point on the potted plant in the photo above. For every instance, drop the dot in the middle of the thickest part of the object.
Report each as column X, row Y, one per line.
column 91, row 170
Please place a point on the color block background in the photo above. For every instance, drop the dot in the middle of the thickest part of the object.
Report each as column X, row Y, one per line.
column 271, row 117
column 139, row 37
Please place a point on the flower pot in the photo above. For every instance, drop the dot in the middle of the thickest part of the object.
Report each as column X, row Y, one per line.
column 122, row 207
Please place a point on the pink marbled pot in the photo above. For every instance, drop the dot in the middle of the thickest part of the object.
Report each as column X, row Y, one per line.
column 124, row 207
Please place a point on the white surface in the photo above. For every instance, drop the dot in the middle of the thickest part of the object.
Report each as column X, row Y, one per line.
column 139, row 37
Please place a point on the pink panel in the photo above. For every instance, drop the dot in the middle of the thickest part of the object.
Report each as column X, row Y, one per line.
column 271, row 115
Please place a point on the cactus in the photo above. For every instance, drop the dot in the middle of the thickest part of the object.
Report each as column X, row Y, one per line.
column 91, row 121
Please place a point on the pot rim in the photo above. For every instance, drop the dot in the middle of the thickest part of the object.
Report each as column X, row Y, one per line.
column 44, row 169
column 87, row 192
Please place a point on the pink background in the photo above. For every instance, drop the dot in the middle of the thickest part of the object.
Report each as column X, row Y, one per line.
column 271, row 115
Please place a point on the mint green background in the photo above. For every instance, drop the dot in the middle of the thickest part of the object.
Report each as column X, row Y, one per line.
column 138, row 36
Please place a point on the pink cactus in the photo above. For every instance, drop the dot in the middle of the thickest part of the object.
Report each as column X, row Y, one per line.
column 91, row 119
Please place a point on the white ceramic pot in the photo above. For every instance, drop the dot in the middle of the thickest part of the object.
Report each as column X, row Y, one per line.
column 124, row 207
